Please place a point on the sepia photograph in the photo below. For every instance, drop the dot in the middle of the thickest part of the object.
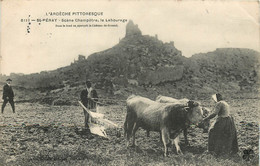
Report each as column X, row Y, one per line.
column 133, row 82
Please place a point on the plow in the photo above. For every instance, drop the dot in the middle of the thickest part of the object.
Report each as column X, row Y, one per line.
column 98, row 123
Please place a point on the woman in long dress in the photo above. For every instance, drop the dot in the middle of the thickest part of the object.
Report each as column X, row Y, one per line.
column 222, row 138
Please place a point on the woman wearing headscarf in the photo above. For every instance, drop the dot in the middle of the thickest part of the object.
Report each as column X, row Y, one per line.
column 222, row 138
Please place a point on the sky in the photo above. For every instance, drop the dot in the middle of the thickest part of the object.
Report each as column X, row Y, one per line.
column 194, row 26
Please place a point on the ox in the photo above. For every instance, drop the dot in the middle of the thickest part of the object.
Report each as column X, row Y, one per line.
column 204, row 124
column 167, row 118
column 165, row 99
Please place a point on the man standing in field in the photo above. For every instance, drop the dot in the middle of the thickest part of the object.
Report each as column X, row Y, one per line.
column 89, row 99
column 8, row 95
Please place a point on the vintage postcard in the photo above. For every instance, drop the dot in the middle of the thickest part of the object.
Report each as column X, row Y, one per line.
column 132, row 82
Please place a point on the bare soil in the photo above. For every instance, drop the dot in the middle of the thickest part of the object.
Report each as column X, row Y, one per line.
column 54, row 135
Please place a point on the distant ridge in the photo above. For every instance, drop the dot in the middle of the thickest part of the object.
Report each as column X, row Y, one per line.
column 145, row 62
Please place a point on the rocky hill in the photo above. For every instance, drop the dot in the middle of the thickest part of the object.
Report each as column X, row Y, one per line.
column 230, row 68
column 137, row 58
column 143, row 64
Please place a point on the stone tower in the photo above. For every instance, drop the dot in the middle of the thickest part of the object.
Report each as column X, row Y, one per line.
column 132, row 29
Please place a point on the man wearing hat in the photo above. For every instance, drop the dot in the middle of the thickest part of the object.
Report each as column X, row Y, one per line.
column 8, row 95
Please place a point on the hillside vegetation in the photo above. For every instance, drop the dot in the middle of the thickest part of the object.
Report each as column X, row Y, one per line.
column 143, row 64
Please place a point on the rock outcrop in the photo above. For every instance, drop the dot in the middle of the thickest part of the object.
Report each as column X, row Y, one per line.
column 139, row 57
column 132, row 29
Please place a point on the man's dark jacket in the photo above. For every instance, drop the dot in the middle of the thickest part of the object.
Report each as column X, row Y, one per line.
column 89, row 103
column 8, row 92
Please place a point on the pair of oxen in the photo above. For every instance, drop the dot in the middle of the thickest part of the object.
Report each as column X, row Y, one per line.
column 166, row 115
